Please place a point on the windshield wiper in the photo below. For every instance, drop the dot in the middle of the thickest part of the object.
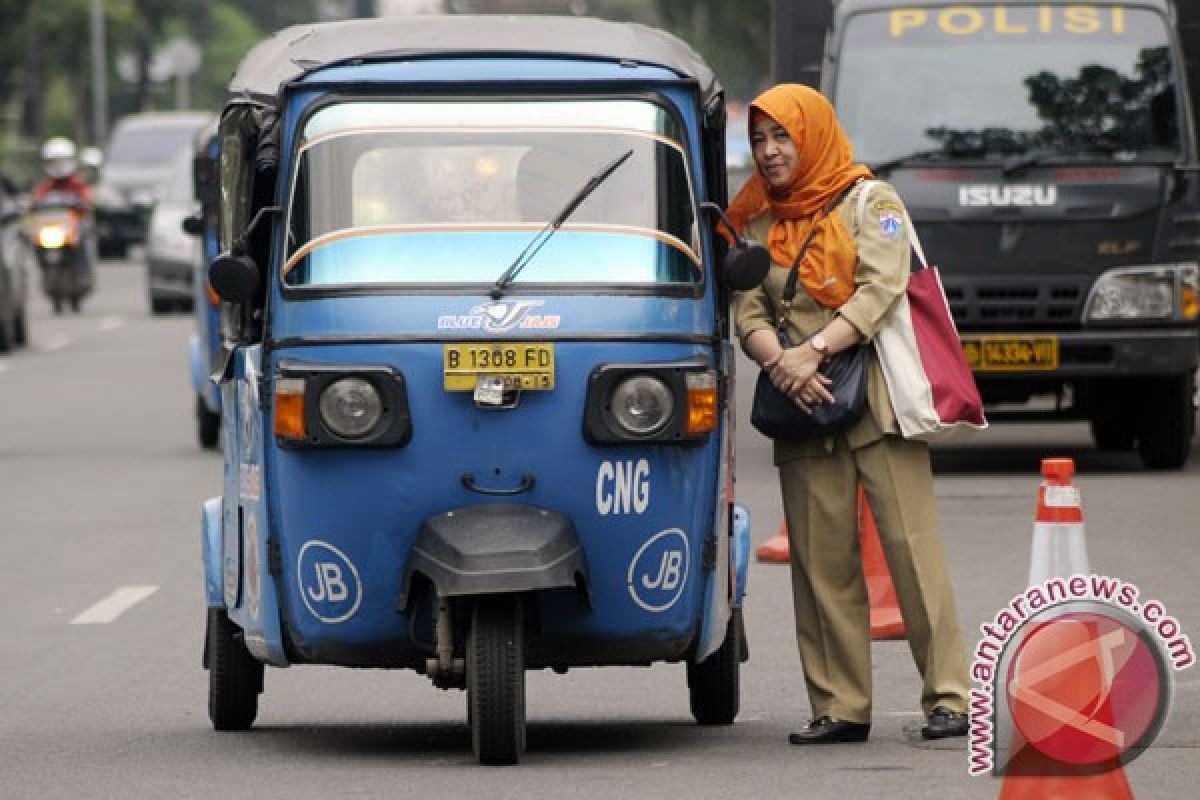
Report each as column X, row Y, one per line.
column 543, row 236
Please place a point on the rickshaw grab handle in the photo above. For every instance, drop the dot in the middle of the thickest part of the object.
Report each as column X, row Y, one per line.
column 527, row 483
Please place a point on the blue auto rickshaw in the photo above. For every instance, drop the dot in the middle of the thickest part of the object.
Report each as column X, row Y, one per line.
column 476, row 377
column 204, row 346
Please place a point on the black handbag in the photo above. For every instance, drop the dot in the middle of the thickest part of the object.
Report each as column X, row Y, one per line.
column 776, row 415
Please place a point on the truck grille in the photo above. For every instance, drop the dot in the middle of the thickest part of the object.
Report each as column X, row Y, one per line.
column 1052, row 303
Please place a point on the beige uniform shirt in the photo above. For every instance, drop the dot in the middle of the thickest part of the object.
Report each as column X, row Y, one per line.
column 880, row 277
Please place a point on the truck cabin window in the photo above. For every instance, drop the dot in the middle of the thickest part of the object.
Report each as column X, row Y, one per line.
column 438, row 193
column 1059, row 83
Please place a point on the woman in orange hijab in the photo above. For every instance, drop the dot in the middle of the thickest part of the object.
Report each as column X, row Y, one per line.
column 847, row 238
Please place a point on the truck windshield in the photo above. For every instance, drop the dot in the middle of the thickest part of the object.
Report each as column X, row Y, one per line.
column 451, row 192
column 1061, row 81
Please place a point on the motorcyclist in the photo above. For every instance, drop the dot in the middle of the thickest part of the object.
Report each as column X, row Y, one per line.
column 61, row 166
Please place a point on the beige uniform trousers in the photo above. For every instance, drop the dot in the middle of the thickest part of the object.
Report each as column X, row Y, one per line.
column 828, row 588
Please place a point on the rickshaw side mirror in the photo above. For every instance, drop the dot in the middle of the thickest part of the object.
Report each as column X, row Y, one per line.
column 746, row 266
column 235, row 279
column 747, row 263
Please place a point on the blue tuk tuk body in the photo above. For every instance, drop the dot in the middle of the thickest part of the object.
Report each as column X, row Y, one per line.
column 491, row 509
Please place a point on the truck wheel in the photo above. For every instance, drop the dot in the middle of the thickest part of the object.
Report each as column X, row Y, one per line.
column 713, row 684
column 208, row 425
column 1169, row 421
column 1113, row 434
column 235, row 678
column 496, row 680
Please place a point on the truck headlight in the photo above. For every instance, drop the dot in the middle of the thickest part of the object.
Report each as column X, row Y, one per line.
column 1165, row 292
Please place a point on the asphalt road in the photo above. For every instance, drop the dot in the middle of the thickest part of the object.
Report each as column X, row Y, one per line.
column 100, row 489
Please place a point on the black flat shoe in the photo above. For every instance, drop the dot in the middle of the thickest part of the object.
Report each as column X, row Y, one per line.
column 942, row 723
column 827, row 730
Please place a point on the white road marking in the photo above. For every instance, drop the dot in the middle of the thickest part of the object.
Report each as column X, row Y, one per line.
column 114, row 605
column 56, row 342
column 110, row 324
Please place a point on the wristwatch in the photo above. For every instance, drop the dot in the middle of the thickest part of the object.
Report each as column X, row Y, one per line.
column 819, row 345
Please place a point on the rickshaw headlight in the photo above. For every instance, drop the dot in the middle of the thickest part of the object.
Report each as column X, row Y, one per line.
column 672, row 403
column 642, row 404
column 330, row 405
column 350, row 407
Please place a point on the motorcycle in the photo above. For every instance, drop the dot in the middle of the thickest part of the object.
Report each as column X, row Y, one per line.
column 58, row 229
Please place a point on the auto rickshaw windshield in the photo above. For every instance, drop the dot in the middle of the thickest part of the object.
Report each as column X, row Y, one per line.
column 441, row 193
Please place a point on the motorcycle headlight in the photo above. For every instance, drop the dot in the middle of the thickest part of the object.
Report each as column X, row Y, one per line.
column 52, row 237
column 1166, row 292
column 350, row 407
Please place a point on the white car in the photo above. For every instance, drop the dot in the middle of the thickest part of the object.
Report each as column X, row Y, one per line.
column 172, row 256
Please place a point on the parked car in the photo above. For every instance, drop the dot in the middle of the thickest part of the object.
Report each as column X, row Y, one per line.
column 14, row 271
column 172, row 255
column 139, row 155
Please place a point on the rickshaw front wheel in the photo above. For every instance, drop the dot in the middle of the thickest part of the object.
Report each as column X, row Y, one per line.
column 496, row 679
column 235, row 678
column 713, row 684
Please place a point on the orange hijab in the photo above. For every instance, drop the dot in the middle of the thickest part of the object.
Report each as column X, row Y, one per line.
column 825, row 168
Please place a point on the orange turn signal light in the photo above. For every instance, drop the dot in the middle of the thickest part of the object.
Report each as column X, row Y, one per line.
column 1189, row 303
column 289, row 408
column 702, row 402
column 211, row 293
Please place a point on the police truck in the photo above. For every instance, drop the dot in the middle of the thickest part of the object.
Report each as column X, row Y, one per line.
column 1047, row 154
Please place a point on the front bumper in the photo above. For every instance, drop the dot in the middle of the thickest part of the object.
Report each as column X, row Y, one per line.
column 1112, row 353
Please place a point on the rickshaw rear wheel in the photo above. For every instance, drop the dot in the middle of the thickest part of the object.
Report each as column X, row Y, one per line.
column 713, row 685
column 496, row 680
column 235, row 678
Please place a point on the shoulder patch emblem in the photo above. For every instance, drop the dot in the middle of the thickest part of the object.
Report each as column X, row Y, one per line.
column 891, row 224
column 880, row 206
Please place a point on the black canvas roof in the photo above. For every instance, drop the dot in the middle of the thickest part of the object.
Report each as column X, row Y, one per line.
column 293, row 52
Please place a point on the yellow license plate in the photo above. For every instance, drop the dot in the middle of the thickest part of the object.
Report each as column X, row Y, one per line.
column 1001, row 353
column 521, row 366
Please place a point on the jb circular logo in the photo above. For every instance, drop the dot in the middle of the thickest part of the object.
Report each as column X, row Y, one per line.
column 1086, row 688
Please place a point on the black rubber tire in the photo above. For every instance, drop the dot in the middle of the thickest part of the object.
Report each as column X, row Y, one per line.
column 57, row 302
column 208, row 425
column 7, row 336
column 714, row 686
column 496, row 680
column 1113, row 434
column 1169, row 421
column 20, row 329
column 76, row 303
column 235, row 678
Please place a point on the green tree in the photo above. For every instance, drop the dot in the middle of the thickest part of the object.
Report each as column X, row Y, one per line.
column 732, row 35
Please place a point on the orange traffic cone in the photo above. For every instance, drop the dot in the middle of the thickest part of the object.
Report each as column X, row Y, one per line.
column 886, row 622
column 1059, row 551
column 775, row 550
